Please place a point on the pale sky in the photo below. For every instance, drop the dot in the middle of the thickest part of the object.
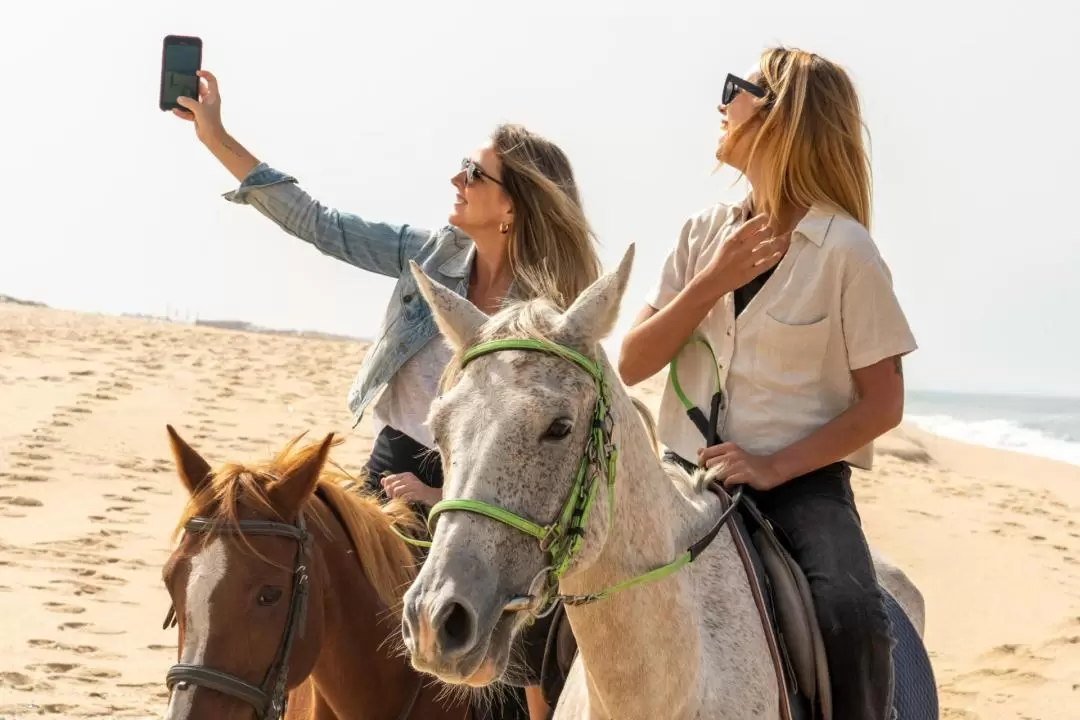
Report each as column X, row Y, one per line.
column 112, row 205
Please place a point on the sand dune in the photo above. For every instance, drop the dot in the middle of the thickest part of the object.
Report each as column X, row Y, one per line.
column 88, row 498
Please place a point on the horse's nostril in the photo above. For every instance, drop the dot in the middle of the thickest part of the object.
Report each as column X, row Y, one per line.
column 456, row 629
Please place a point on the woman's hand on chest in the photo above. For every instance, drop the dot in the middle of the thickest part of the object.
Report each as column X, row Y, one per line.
column 749, row 251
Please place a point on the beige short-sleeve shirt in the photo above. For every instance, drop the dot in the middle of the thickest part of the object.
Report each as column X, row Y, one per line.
column 785, row 364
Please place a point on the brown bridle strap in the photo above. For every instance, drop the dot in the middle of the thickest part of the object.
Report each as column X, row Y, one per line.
column 268, row 702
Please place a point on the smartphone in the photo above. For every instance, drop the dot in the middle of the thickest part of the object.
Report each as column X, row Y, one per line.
column 181, row 58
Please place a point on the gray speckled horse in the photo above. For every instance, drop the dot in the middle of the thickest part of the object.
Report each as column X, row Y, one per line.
column 511, row 430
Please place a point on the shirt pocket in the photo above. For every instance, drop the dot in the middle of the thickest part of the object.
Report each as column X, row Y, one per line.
column 791, row 356
column 411, row 304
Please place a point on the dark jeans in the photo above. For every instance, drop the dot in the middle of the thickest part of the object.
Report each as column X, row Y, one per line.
column 818, row 521
column 396, row 452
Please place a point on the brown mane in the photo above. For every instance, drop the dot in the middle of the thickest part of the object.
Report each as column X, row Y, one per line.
column 384, row 558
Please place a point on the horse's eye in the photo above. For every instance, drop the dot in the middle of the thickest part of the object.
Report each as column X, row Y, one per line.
column 558, row 429
column 269, row 595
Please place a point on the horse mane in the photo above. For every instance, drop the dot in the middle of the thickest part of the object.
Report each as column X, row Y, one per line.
column 694, row 483
column 650, row 422
column 385, row 559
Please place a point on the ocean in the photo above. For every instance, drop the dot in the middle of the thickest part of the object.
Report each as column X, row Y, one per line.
column 1044, row 426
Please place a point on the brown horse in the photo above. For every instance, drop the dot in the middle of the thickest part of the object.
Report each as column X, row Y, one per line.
column 287, row 584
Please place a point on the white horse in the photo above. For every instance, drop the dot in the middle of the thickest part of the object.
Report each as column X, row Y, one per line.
column 527, row 432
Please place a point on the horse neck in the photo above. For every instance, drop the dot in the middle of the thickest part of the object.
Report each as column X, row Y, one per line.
column 652, row 627
column 357, row 673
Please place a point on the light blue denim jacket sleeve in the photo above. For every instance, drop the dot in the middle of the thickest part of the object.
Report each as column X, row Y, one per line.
column 378, row 247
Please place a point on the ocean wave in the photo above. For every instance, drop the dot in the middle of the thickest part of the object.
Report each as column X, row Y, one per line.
column 1000, row 433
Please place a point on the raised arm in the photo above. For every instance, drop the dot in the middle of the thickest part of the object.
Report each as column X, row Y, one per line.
column 683, row 297
column 374, row 246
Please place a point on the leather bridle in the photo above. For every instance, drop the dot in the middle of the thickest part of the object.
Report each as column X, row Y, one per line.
column 269, row 702
column 269, row 699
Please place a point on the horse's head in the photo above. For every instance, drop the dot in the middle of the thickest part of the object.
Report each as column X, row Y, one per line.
column 242, row 579
column 525, row 438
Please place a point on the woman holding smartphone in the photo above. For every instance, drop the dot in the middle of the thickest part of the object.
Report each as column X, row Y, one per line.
column 791, row 295
column 516, row 231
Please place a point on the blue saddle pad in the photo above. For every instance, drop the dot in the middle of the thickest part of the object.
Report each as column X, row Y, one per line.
column 914, row 690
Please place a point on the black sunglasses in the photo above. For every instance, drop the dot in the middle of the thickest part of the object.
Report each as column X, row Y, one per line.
column 473, row 171
column 734, row 85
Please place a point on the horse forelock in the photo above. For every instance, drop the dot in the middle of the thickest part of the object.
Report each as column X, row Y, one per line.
column 535, row 319
column 383, row 557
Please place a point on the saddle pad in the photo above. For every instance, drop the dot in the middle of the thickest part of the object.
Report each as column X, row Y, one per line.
column 914, row 689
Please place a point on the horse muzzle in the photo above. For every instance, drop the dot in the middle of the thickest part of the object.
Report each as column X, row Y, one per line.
column 442, row 634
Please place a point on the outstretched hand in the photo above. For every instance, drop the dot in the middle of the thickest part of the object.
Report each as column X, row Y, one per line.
column 204, row 112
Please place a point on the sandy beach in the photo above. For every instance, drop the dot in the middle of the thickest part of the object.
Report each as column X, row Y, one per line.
column 89, row 496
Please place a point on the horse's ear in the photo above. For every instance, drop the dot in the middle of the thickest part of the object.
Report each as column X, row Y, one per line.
column 194, row 471
column 458, row 319
column 594, row 312
column 288, row 493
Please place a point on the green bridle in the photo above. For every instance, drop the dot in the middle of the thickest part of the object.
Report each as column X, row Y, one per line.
column 561, row 539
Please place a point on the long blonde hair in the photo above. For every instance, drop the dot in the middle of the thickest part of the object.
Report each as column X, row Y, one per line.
column 552, row 251
column 810, row 137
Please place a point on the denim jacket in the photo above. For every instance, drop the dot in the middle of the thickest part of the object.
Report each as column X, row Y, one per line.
column 445, row 255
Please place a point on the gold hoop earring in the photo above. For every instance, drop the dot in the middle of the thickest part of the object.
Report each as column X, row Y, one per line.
column 504, row 228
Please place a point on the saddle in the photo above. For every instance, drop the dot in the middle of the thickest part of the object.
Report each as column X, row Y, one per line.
column 789, row 619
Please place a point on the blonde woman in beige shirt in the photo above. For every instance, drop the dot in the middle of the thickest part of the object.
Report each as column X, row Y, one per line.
column 806, row 337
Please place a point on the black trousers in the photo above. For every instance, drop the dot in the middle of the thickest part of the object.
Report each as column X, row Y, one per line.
column 818, row 521
column 395, row 452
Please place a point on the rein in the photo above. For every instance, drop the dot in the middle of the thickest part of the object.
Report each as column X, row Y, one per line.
column 561, row 539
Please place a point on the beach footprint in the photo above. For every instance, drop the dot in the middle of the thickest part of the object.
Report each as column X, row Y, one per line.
column 19, row 501
column 22, row 682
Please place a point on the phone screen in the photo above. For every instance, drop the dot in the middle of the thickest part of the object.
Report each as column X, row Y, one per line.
column 182, row 57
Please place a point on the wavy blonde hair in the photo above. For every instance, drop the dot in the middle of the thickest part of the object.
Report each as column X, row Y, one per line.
column 809, row 142
column 552, row 250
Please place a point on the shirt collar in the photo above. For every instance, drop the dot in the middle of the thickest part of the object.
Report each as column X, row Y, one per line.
column 814, row 226
column 459, row 264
